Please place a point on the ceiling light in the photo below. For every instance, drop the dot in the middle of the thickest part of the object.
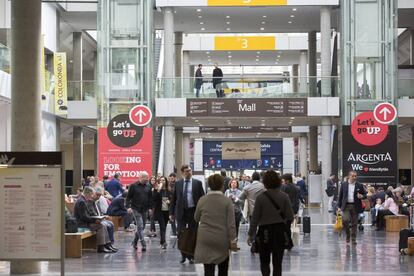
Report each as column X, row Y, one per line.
column 203, row 29
column 263, row 22
column 229, row 56
column 207, row 53
column 262, row 29
column 201, row 23
column 292, row 16
column 257, row 56
column 209, row 60
column 229, row 52
column 198, row 10
column 278, row 56
column 229, row 63
column 200, row 16
column 290, row 22
column 228, row 22
column 227, row 29
column 294, row 9
column 276, row 62
column 257, row 59
column 264, row 16
column 258, row 52
column 227, row 16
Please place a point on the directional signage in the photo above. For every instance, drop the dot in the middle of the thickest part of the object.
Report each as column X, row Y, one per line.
column 385, row 113
column 245, row 129
column 247, row 3
column 295, row 107
column 244, row 43
column 140, row 115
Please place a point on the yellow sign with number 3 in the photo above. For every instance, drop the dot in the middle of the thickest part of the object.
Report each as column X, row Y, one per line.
column 244, row 43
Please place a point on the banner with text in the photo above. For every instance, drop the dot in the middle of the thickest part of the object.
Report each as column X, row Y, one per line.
column 61, row 86
column 125, row 149
column 377, row 164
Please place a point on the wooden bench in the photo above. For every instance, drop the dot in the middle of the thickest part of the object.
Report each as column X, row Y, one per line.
column 396, row 223
column 75, row 242
column 117, row 221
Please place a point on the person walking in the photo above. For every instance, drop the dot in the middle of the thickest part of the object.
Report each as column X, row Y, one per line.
column 331, row 190
column 250, row 193
column 185, row 197
column 198, row 80
column 349, row 202
column 233, row 193
column 217, row 78
column 273, row 215
column 216, row 234
column 292, row 191
column 172, row 178
column 139, row 201
column 162, row 198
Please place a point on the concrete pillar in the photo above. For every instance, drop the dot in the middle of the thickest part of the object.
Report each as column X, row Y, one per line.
column 186, row 148
column 295, row 74
column 411, row 46
column 169, row 49
column 169, row 144
column 312, row 63
column 326, row 128
column 178, row 53
column 77, row 65
column 303, row 88
column 179, row 154
column 187, row 78
column 26, row 112
column 326, row 66
column 303, row 155
column 313, row 148
column 77, row 157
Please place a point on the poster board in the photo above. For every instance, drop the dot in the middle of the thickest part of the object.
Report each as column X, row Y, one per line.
column 31, row 213
column 316, row 189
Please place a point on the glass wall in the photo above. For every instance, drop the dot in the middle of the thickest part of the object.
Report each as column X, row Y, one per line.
column 125, row 43
column 369, row 70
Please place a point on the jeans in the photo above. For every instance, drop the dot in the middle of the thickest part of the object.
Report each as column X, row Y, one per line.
column 373, row 216
column 173, row 227
column 381, row 218
column 163, row 221
column 140, row 223
column 152, row 223
column 222, row 268
column 197, row 92
column 110, row 228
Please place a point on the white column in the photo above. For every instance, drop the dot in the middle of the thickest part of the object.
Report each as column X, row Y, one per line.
column 198, row 155
column 288, row 155
column 169, row 145
column 326, row 128
column 295, row 74
column 186, row 148
column 187, row 78
column 169, row 49
column 303, row 155
column 312, row 63
column 26, row 111
column 303, row 88
column 326, row 64
column 77, row 65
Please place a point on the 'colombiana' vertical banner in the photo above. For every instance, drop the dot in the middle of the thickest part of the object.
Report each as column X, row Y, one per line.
column 61, row 88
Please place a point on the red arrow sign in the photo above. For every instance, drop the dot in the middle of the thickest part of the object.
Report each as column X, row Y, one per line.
column 385, row 113
column 140, row 115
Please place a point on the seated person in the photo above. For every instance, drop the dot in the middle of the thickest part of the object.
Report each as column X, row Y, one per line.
column 85, row 218
column 374, row 211
column 390, row 208
column 117, row 208
column 101, row 201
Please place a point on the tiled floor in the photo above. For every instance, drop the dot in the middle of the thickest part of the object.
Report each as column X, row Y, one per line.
column 321, row 253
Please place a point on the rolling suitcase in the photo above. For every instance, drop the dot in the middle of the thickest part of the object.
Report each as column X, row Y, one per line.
column 306, row 225
column 306, row 221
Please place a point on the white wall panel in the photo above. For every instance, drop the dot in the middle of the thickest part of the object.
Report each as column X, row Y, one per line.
column 49, row 18
column 82, row 110
column 171, row 107
column 198, row 155
column 48, row 132
column 323, row 106
column 288, row 155
column 405, row 108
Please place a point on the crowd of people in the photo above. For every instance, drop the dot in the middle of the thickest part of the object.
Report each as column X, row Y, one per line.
column 268, row 201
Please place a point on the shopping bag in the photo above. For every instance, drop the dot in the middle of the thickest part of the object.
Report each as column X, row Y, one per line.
column 338, row 223
column 186, row 242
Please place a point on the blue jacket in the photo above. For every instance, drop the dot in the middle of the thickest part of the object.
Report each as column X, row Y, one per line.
column 114, row 187
column 302, row 187
column 117, row 207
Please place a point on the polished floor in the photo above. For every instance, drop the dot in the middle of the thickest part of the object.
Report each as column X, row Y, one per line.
column 323, row 252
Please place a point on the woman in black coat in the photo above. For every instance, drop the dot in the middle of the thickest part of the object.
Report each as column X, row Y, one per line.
column 161, row 196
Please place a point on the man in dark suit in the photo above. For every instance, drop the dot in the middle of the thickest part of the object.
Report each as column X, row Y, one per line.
column 350, row 204
column 185, row 197
column 198, row 80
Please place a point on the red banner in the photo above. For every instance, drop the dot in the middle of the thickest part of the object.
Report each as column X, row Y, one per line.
column 127, row 161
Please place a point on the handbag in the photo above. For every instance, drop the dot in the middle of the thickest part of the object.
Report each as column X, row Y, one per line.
column 287, row 233
column 338, row 223
column 186, row 241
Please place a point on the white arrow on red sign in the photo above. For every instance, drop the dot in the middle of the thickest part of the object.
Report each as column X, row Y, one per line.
column 385, row 113
column 140, row 115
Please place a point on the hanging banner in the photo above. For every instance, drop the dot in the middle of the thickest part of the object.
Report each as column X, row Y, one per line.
column 248, row 3
column 240, row 150
column 244, row 43
column 61, row 86
column 376, row 165
column 124, row 148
